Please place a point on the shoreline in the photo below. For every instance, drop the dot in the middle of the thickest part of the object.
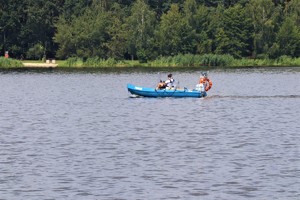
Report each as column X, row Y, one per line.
column 174, row 64
column 31, row 66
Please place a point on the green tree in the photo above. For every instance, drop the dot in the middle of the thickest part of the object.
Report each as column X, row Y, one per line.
column 36, row 52
column 39, row 27
column 158, row 7
column 288, row 38
column 26, row 23
column 211, row 3
column 175, row 35
column 265, row 20
column 292, row 9
column 190, row 9
column 64, row 38
column 74, row 8
column 233, row 37
column 116, row 44
column 215, row 18
column 144, row 29
column 84, row 36
column 140, row 29
column 202, row 20
column 12, row 15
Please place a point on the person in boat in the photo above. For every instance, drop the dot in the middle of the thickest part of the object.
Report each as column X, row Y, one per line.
column 169, row 83
column 205, row 82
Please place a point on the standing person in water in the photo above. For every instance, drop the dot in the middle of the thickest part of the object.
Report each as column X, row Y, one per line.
column 169, row 83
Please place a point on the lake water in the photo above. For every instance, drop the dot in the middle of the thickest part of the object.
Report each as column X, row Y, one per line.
column 79, row 135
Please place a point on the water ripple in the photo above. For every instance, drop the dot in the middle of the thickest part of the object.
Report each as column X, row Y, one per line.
column 70, row 136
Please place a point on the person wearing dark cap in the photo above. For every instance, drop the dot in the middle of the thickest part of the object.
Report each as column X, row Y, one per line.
column 169, row 83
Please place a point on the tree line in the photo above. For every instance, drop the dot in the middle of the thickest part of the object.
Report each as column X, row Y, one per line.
column 147, row 29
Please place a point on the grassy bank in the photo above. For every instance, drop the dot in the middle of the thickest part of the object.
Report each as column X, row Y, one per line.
column 98, row 62
column 9, row 63
column 281, row 61
column 188, row 60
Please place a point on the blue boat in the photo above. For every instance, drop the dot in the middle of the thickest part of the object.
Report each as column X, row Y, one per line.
column 173, row 92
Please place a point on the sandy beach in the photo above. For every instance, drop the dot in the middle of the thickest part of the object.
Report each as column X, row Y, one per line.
column 45, row 65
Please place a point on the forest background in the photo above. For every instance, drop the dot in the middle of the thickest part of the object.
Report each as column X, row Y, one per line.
column 149, row 29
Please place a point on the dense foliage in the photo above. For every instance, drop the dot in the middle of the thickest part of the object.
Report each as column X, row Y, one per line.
column 10, row 63
column 149, row 29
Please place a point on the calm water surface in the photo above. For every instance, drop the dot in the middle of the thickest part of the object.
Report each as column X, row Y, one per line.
column 79, row 135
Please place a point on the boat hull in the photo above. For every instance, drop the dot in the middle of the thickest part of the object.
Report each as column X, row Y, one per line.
column 152, row 92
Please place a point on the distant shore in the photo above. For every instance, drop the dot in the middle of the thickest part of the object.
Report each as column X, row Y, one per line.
column 179, row 61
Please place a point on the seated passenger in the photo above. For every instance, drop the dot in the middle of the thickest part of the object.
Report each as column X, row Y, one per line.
column 169, row 83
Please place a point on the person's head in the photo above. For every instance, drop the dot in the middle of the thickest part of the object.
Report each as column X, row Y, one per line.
column 170, row 76
column 204, row 74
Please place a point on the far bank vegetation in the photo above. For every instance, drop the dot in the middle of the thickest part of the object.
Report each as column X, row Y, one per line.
column 156, row 33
